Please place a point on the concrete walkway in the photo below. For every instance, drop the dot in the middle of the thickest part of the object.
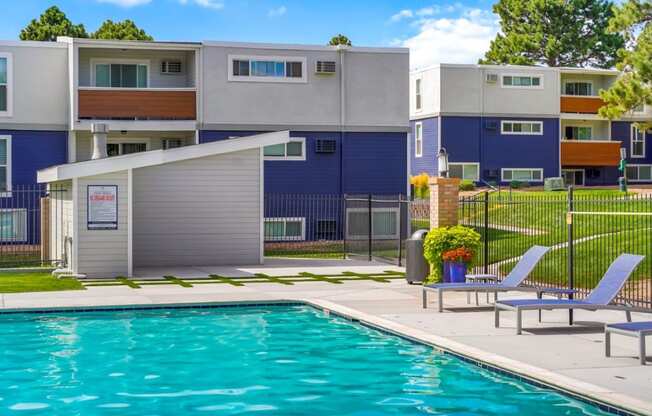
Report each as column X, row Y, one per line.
column 567, row 357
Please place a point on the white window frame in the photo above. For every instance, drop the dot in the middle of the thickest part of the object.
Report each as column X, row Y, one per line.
column 418, row 139
column 164, row 143
column 638, row 166
column 128, row 140
column 632, row 135
column 394, row 210
column 522, row 87
column 574, row 171
column 94, row 62
column 7, row 193
column 301, row 140
column 476, row 164
column 9, row 112
column 521, row 133
column 285, row 220
column 418, row 96
column 249, row 78
column 576, row 81
column 502, row 174
column 19, row 238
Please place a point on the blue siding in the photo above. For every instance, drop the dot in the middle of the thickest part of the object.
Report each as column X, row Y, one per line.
column 363, row 163
column 428, row 161
column 34, row 150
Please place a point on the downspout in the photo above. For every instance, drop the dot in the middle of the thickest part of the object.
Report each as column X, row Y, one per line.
column 341, row 50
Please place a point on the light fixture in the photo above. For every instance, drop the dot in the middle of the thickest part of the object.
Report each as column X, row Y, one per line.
column 442, row 163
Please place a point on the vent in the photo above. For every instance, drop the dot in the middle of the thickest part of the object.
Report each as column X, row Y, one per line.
column 170, row 67
column 492, row 78
column 325, row 67
column 491, row 125
column 172, row 143
column 326, row 146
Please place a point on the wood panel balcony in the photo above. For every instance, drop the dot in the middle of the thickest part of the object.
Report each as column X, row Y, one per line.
column 590, row 153
column 580, row 104
column 137, row 103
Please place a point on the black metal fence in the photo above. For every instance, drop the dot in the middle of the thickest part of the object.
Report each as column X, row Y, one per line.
column 585, row 230
column 336, row 226
column 30, row 230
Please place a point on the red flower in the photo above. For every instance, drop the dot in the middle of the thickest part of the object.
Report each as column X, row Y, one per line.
column 458, row 255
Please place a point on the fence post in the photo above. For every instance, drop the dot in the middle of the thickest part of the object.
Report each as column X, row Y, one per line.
column 344, row 216
column 400, row 228
column 486, row 232
column 45, row 229
column 370, row 224
column 569, row 222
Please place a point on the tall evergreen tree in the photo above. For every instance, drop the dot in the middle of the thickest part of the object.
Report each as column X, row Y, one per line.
column 52, row 23
column 125, row 30
column 554, row 33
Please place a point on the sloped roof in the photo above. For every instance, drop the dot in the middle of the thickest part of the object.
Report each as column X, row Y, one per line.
column 159, row 157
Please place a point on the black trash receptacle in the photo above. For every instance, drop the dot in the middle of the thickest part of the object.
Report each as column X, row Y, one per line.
column 417, row 268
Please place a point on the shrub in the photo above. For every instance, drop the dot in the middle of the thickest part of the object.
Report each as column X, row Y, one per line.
column 466, row 185
column 517, row 184
column 420, row 185
column 444, row 239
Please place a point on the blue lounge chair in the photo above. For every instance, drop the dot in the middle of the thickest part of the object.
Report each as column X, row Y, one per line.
column 601, row 297
column 511, row 282
column 639, row 330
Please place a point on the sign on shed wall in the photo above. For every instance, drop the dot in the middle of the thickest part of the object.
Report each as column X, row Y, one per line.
column 102, row 207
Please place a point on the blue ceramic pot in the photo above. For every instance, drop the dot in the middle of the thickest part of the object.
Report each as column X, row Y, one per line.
column 456, row 272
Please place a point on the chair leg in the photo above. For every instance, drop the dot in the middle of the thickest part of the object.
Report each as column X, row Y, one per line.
column 496, row 317
column 495, row 296
column 468, row 298
column 440, row 295
column 641, row 348
column 539, row 295
column 519, row 321
column 629, row 316
column 607, row 344
column 477, row 301
column 487, row 292
column 425, row 298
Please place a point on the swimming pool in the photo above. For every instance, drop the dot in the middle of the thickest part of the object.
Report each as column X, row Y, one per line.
column 266, row 359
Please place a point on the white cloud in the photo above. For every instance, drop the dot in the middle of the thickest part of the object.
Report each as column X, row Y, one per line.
column 125, row 3
column 209, row 4
column 403, row 14
column 461, row 39
column 279, row 11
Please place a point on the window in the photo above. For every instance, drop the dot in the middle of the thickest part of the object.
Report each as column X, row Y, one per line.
column 417, row 89
column 418, row 139
column 267, row 69
column 523, row 175
column 637, row 142
column 121, row 75
column 578, row 133
column 522, row 81
column 283, row 229
column 125, row 148
column 470, row 171
column 293, row 150
column 5, row 164
column 521, row 127
column 578, row 88
column 639, row 173
column 13, row 225
column 384, row 223
column 6, row 85
column 172, row 143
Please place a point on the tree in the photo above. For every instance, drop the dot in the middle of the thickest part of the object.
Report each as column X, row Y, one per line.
column 554, row 33
column 634, row 88
column 125, row 30
column 340, row 39
column 52, row 23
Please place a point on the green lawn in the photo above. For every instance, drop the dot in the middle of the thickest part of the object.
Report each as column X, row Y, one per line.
column 36, row 282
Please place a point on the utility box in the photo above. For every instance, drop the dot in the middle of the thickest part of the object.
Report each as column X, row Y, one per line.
column 553, row 184
column 417, row 267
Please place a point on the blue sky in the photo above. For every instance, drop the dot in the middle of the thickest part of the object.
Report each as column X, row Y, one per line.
column 454, row 32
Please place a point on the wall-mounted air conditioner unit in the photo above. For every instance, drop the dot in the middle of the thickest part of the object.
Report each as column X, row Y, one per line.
column 325, row 67
column 492, row 78
column 170, row 67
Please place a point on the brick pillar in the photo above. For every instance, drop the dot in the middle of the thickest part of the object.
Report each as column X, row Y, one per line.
column 444, row 194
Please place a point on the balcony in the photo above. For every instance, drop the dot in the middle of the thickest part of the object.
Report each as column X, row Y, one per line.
column 137, row 103
column 580, row 104
column 590, row 153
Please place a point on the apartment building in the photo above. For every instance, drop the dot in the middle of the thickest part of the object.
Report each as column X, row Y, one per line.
column 519, row 123
column 346, row 110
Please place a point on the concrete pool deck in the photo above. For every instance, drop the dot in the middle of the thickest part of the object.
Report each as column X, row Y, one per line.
column 551, row 352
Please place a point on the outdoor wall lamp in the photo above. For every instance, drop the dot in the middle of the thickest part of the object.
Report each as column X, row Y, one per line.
column 442, row 163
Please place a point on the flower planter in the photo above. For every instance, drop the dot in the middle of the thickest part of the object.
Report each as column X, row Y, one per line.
column 454, row 272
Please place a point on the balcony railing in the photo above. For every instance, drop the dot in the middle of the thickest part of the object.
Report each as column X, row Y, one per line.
column 137, row 103
column 580, row 104
column 590, row 153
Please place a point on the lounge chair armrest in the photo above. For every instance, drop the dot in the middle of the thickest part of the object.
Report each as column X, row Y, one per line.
column 558, row 291
column 481, row 277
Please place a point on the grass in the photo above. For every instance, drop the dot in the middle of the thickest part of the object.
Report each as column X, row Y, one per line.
column 36, row 282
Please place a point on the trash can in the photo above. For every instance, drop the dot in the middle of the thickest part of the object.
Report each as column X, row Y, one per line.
column 622, row 184
column 417, row 268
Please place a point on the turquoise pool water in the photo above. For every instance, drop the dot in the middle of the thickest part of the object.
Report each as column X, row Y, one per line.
column 288, row 360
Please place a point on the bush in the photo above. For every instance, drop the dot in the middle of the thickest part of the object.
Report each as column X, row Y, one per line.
column 443, row 239
column 517, row 184
column 420, row 185
column 467, row 185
